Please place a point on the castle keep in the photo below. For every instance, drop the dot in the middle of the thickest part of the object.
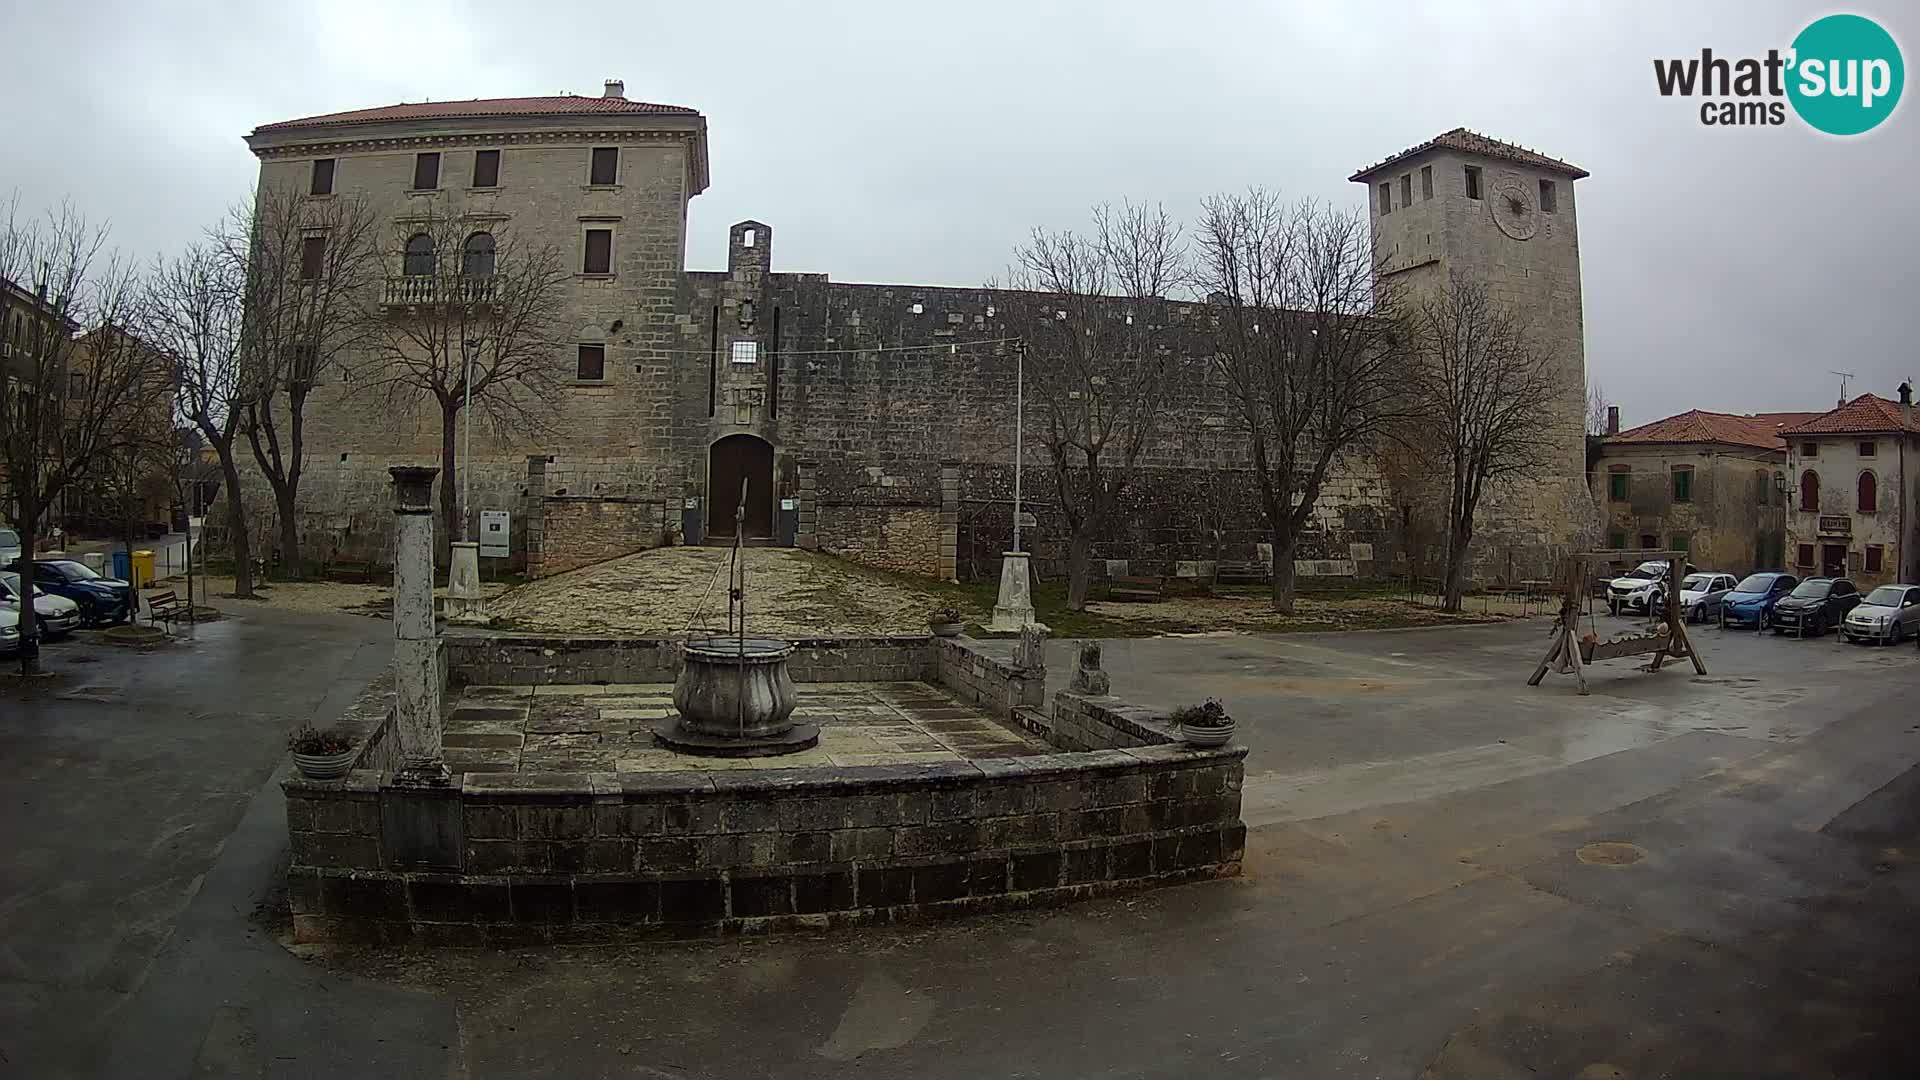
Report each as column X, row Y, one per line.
column 874, row 421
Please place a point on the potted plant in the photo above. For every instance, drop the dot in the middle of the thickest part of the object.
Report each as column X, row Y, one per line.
column 1206, row 724
column 945, row 621
column 321, row 755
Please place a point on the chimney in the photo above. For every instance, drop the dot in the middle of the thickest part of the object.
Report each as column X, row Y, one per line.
column 1906, row 394
column 615, row 89
column 1613, row 419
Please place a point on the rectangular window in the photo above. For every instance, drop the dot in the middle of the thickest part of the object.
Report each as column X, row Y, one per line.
column 1549, row 198
column 599, row 258
column 486, row 168
column 1875, row 554
column 1617, row 540
column 313, row 255
column 1426, row 182
column 1683, row 483
column 1679, row 542
column 746, row 352
column 1617, row 484
column 1648, row 541
column 1473, row 181
column 1868, row 448
column 1386, row 199
column 426, row 172
column 1406, row 190
column 1809, row 449
column 606, row 166
column 592, row 363
column 1803, row 555
column 322, row 176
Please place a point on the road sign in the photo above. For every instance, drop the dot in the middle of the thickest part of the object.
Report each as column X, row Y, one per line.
column 495, row 529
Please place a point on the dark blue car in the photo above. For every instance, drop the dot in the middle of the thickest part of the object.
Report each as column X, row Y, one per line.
column 1751, row 602
column 103, row 601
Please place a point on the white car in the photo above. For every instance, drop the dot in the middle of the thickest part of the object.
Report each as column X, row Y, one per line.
column 1889, row 614
column 1642, row 589
column 9, row 547
column 1700, row 595
column 57, row 615
column 9, row 632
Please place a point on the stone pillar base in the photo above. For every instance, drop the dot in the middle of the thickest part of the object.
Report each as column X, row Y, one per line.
column 1015, row 608
column 465, row 604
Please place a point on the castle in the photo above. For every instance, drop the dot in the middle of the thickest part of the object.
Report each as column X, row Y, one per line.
column 874, row 421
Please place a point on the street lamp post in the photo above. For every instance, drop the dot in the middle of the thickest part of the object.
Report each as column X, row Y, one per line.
column 467, row 348
column 464, row 601
column 1015, row 607
column 1019, row 434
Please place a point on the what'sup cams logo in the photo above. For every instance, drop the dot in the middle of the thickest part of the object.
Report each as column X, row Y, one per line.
column 1842, row 75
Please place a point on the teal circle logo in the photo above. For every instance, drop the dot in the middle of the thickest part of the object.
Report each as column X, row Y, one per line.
column 1846, row 76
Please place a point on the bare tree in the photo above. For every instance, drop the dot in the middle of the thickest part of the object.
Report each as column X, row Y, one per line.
column 1091, row 310
column 1493, row 402
column 1305, row 338
column 138, row 473
column 474, row 315
column 194, row 317
column 310, row 267
column 1597, row 406
column 72, row 387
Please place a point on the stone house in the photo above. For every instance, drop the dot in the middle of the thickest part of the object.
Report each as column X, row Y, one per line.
column 871, row 420
column 1712, row 484
column 1855, row 475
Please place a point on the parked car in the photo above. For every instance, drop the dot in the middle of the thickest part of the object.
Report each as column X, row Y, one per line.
column 1753, row 600
column 103, row 601
column 57, row 615
column 1640, row 589
column 1815, row 605
column 1889, row 614
column 9, row 546
column 9, row 632
column 1701, row 594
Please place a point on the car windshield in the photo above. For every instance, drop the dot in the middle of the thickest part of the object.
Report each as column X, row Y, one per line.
column 9, row 538
column 1887, row 596
column 1813, row 590
column 76, row 571
column 10, row 585
column 1697, row 582
column 1642, row 573
column 1755, row 583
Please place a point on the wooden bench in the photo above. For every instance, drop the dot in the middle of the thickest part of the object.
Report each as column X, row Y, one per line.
column 360, row 570
column 1136, row 587
column 1240, row 573
column 165, row 607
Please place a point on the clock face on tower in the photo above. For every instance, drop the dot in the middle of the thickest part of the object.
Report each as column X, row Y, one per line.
column 1513, row 210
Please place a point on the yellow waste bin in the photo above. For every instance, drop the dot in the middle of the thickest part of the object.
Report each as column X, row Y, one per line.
column 142, row 569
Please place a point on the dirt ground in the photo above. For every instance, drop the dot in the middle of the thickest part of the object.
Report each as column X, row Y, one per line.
column 1255, row 613
column 665, row 592
column 301, row 595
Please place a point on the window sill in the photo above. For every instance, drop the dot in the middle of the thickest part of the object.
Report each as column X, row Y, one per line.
column 319, row 194
column 589, row 382
column 423, row 191
column 488, row 189
column 600, row 187
column 594, row 277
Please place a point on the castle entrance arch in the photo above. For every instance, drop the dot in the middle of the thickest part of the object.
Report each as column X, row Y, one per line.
column 729, row 461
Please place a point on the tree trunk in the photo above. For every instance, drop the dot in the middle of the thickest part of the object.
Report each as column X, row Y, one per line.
column 1079, row 570
column 289, row 533
column 236, row 524
column 1283, row 577
column 449, row 488
column 29, row 619
column 1456, row 568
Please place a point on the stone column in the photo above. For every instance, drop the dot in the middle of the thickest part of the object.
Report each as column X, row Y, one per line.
column 806, row 529
column 534, row 512
column 950, row 520
column 465, row 604
column 416, row 644
column 1015, row 608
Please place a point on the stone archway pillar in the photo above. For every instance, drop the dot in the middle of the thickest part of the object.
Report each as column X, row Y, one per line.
column 416, row 643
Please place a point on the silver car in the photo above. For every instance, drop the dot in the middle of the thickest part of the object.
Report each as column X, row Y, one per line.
column 1701, row 594
column 57, row 615
column 1890, row 613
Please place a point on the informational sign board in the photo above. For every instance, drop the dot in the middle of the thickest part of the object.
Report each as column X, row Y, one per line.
column 1028, row 521
column 495, row 529
column 789, row 504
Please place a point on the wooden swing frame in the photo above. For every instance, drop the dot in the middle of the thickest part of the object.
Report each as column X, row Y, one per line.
column 1669, row 642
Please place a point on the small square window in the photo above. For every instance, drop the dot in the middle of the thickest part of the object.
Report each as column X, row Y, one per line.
column 1679, row 542
column 426, row 172
column 1809, row 449
column 599, row 253
column 606, row 166
column 1868, row 448
column 591, row 366
column 1617, row 540
column 1473, row 181
column 1648, row 541
column 1386, row 199
column 313, row 257
column 1426, row 182
column 486, row 168
column 1406, row 190
column 1549, row 197
column 1803, row 555
column 1682, row 484
column 322, row 176
column 746, row 352
column 1876, row 554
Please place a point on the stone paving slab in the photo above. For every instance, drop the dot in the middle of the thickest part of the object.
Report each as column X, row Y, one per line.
column 568, row 728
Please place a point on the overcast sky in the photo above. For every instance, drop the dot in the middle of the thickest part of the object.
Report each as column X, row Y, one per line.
column 1726, row 269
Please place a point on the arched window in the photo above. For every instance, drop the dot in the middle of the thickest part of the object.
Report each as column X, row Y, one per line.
column 1868, row 492
column 419, row 260
column 1809, row 490
column 478, row 260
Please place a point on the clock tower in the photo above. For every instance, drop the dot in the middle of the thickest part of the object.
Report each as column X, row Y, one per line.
column 1505, row 216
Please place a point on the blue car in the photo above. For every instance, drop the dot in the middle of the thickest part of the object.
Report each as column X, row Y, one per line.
column 1751, row 602
column 103, row 601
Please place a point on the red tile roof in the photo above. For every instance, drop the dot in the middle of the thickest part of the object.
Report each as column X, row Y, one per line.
column 562, row 105
column 1868, row 412
column 1760, row 430
column 1473, row 142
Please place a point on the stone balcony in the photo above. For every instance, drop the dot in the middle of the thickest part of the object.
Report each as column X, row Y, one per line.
column 423, row 290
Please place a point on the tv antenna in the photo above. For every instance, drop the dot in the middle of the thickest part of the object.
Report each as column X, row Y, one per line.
column 1844, row 376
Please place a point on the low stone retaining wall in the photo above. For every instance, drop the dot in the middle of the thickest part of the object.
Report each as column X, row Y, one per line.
column 492, row 660
column 991, row 683
column 1103, row 722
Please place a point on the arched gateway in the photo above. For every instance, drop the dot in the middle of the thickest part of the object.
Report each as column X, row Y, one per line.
column 730, row 460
